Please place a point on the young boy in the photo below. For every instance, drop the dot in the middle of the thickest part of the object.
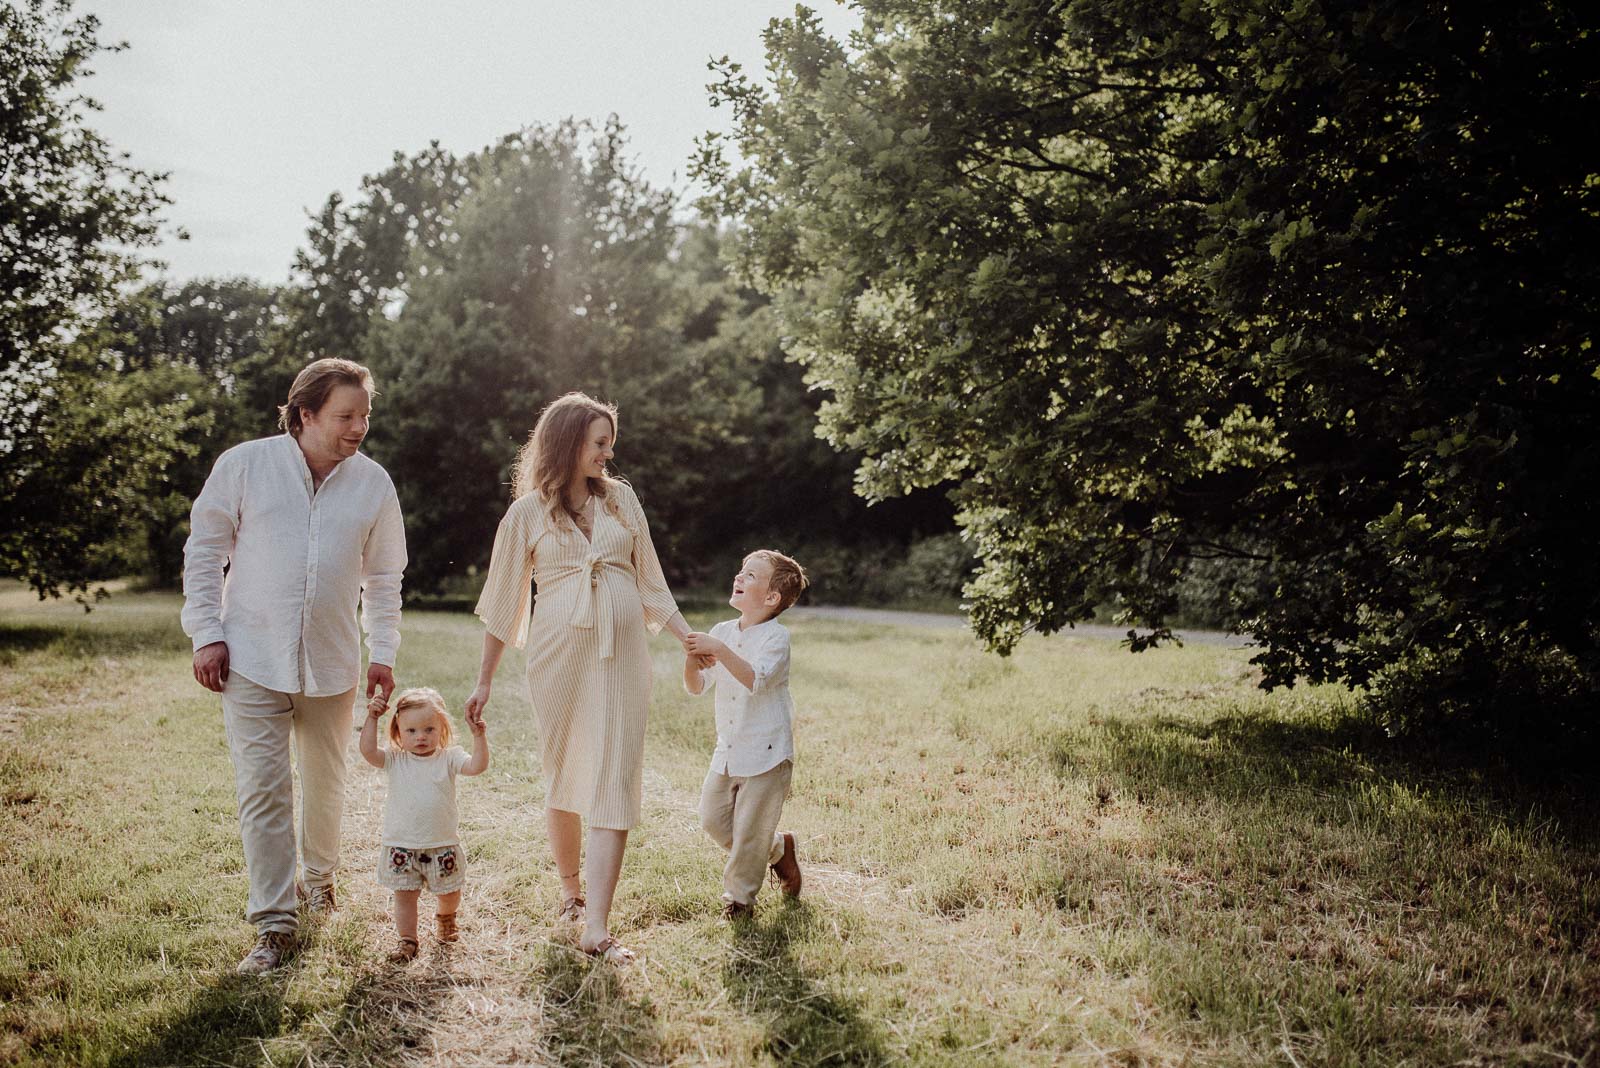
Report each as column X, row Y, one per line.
column 748, row 659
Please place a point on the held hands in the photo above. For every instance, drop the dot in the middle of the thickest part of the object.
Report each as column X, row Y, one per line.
column 475, row 706
column 380, row 675
column 703, row 649
column 377, row 705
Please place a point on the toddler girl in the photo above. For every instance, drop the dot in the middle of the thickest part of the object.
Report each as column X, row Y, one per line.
column 421, row 839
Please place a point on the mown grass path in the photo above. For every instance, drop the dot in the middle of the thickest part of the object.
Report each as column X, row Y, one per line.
column 1072, row 856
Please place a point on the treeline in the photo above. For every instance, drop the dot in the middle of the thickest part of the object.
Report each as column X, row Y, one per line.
column 1279, row 318
column 1292, row 301
column 478, row 288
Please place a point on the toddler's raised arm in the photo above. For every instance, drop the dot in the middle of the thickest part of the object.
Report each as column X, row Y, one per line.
column 369, row 729
column 478, row 762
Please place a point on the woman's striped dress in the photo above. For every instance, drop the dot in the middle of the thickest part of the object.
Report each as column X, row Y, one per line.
column 589, row 673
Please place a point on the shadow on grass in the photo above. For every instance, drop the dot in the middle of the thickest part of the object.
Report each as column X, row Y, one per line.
column 588, row 1015
column 806, row 1023
column 384, row 1014
column 227, row 1021
column 1245, row 757
column 223, row 1024
column 234, row 1019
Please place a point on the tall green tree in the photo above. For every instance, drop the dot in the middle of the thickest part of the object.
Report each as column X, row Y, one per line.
column 1310, row 287
column 76, row 453
column 357, row 261
column 775, row 481
column 217, row 349
column 555, row 273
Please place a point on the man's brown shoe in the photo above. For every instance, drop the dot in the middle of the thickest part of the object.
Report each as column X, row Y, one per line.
column 268, row 952
column 317, row 900
column 738, row 910
column 787, row 869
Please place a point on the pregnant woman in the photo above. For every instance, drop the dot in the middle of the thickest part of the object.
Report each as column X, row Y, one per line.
column 582, row 537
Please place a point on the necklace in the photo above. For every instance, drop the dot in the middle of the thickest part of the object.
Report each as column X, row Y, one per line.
column 579, row 519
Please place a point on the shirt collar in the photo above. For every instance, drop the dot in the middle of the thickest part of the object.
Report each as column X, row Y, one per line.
column 300, row 458
column 746, row 632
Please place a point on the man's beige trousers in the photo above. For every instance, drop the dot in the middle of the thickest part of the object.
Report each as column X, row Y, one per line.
column 262, row 726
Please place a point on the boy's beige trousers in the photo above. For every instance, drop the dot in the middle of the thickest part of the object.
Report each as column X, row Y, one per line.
column 262, row 725
column 741, row 815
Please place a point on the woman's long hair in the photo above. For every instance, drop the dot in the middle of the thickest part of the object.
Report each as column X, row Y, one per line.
column 546, row 463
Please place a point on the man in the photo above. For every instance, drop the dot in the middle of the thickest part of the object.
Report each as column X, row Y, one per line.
column 305, row 525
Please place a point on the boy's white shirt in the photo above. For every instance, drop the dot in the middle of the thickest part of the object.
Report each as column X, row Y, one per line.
column 421, row 809
column 754, row 727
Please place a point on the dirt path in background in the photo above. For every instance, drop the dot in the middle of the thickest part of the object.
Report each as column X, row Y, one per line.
column 950, row 621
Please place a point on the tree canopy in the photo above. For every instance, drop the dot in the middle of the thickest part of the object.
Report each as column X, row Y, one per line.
column 479, row 288
column 1310, row 290
column 77, row 452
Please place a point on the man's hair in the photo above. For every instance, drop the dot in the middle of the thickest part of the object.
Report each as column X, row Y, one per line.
column 788, row 577
column 312, row 386
column 421, row 697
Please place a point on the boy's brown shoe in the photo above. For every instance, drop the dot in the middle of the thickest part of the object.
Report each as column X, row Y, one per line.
column 787, row 869
column 268, row 952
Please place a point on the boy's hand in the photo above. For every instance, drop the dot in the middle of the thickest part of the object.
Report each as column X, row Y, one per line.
column 703, row 645
column 701, row 662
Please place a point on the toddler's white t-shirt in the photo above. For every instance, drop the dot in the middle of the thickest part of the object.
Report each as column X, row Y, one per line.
column 421, row 811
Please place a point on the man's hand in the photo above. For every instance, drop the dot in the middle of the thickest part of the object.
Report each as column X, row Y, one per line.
column 211, row 666
column 379, row 675
column 702, row 661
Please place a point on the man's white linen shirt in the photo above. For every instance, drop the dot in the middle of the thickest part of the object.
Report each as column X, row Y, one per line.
column 299, row 559
column 754, row 727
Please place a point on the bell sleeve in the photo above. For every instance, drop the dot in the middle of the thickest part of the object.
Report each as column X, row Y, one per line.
column 506, row 601
column 659, row 605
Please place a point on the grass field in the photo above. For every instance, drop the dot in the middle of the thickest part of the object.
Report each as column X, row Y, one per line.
column 1073, row 856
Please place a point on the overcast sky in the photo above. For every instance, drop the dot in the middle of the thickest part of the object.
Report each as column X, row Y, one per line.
column 260, row 110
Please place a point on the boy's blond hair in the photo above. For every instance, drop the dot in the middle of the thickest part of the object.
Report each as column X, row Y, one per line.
column 421, row 697
column 788, row 577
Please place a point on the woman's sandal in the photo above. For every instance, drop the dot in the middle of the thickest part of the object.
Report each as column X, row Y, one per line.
column 405, row 952
column 571, row 910
column 611, row 951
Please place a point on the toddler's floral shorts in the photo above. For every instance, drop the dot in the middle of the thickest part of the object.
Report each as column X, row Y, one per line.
column 440, row 869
